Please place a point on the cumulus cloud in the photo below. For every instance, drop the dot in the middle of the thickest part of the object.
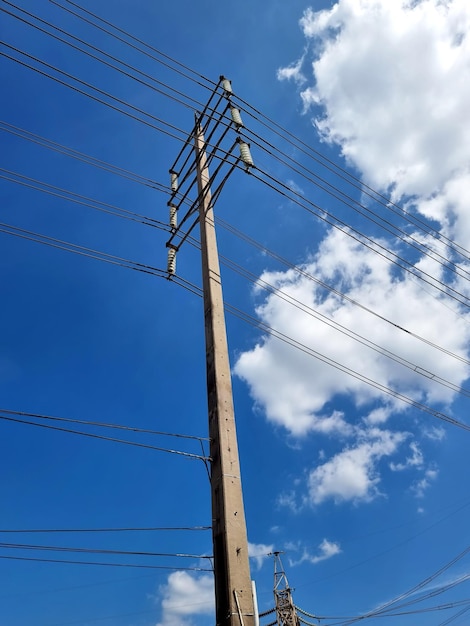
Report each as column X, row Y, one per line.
column 259, row 552
column 326, row 550
column 185, row 596
column 295, row 390
column 352, row 473
column 414, row 460
column 422, row 485
column 388, row 83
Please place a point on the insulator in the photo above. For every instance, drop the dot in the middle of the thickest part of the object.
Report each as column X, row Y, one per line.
column 174, row 181
column 227, row 86
column 245, row 154
column 173, row 216
column 236, row 117
column 171, row 267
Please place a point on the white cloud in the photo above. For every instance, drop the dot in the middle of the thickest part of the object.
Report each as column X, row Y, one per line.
column 391, row 79
column 259, row 552
column 294, row 389
column 352, row 473
column 421, row 486
column 415, row 460
column 292, row 72
column 387, row 82
column 185, row 596
column 325, row 551
column 435, row 434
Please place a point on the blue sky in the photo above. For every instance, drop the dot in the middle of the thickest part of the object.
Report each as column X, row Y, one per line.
column 366, row 495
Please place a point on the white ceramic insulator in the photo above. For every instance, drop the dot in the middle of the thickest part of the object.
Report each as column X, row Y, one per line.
column 171, row 268
column 245, row 154
column 236, row 117
column 227, row 86
column 173, row 216
column 174, row 181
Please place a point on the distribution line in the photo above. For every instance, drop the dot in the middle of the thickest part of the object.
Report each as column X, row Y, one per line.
column 81, row 156
column 104, row 530
column 300, row 270
column 266, row 328
column 26, row 546
column 98, row 205
column 127, row 214
column 373, row 245
column 382, row 608
column 365, row 211
column 324, row 319
column 134, row 565
column 91, row 96
column 346, row 175
column 432, row 282
column 287, row 136
column 102, row 425
column 100, row 60
column 211, row 84
column 188, row 455
column 347, row 370
column 148, row 182
column 81, row 250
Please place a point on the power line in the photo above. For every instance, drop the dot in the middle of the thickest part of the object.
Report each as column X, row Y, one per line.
column 103, row 425
column 91, row 96
column 187, row 69
column 279, row 335
column 359, row 207
column 273, row 127
column 25, row 546
column 302, row 272
column 98, row 205
column 133, row 565
column 104, row 530
column 188, row 455
column 105, row 54
column 85, row 158
column 373, row 245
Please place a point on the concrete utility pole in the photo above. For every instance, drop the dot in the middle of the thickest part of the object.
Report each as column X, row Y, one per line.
column 233, row 589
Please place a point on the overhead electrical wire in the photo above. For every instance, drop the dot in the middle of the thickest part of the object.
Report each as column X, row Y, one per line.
column 44, row 187
column 331, row 165
column 98, row 205
column 145, row 219
column 273, row 127
column 365, row 211
column 126, row 103
column 133, row 565
column 188, row 455
column 279, row 335
column 345, row 228
column 324, row 319
column 374, row 246
column 85, row 158
column 187, row 70
column 25, row 546
column 175, row 98
column 103, row 425
column 81, row 250
column 423, row 583
column 104, row 530
column 169, row 133
column 300, row 270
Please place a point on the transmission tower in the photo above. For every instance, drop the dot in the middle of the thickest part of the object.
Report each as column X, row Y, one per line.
column 210, row 139
column 285, row 610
